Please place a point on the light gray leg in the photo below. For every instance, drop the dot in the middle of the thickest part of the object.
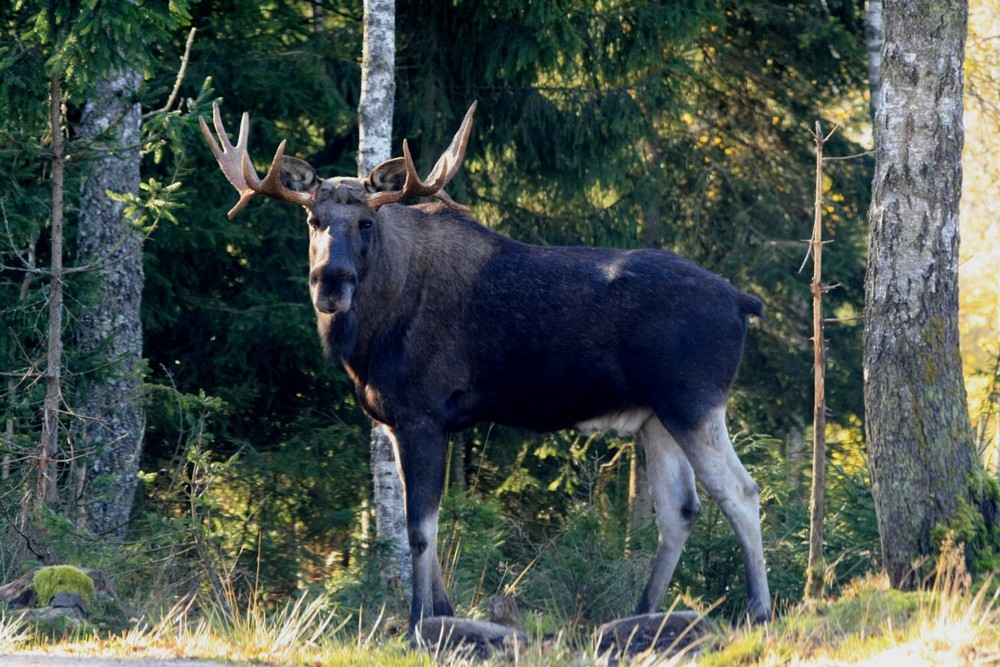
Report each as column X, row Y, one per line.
column 428, row 584
column 439, row 595
column 711, row 453
column 671, row 483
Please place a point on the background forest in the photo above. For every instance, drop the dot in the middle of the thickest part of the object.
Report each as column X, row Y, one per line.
column 683, row 126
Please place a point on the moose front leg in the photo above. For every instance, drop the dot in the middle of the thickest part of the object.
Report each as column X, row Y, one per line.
column 421, row 449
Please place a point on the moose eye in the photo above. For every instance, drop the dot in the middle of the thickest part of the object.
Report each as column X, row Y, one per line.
column 313, row 222
column 365, row 223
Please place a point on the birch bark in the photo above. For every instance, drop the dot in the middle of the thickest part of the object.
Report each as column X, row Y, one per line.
column 378, row 88
column 919, row 437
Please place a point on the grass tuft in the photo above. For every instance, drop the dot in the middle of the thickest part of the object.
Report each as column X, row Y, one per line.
column 13, row 632
column 873, row 625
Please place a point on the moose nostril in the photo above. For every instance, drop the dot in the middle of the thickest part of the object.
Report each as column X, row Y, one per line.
column 332, row 276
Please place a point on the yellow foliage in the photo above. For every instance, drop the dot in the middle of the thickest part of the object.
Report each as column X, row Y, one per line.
column 979, row 280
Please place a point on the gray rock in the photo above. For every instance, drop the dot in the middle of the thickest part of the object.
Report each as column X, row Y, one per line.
column 667, row 633
column 478, row 638
column 66, row 600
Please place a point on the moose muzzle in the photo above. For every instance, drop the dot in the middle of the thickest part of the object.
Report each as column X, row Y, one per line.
column 332, row 288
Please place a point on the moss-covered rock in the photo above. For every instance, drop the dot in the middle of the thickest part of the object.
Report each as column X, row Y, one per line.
column 63, row 600
column 49, row 581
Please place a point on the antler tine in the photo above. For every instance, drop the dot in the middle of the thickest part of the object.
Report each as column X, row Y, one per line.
column 441, row 174
column 451, row 160
column 238, row 169
column 228, row 156
column 444, row 170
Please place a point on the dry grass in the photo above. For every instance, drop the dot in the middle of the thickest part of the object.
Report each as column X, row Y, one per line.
column 13, row 633
column 873, row 625
column 869, row 625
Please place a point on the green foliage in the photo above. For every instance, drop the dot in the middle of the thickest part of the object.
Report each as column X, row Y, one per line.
column 77, row 45
column 363, row 591
column 590, row 130
column 581, row 576
column 976, row 525
column 473, row 545
column 711, row 568
column 472, row 535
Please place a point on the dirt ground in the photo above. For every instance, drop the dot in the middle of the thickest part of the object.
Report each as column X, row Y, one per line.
column 42, row 660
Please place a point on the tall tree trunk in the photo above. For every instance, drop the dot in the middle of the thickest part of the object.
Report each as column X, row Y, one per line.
column 919, row 437
column 48, row 449
column 378, row 85
column 112, row 407
column 378, row 89
column 816, row 566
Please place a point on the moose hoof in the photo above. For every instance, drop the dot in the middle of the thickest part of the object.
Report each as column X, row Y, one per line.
column 669, row 633
column 479, row 638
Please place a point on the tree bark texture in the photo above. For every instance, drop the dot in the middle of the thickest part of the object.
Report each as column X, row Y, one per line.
column 48, row 449
column 918, row 432
column 389, row 504
column 816, row 568
column 112, row 404
column 378, row 89
column 378, row 85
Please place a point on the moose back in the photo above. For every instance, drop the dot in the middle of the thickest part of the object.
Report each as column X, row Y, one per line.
column 441, row 323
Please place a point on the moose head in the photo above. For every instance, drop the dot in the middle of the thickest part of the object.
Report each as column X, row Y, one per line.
column 333, row 276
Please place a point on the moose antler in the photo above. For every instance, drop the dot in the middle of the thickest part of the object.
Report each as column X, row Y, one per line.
column 445, row 169
column 236, row 165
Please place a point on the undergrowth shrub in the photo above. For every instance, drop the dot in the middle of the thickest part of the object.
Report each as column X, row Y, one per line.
column 582, row 576
column 472, row 536
column 364, row 592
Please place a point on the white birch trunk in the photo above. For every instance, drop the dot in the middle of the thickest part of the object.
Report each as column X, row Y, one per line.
column 378, row 85
column 378, row 88
column 917, row 428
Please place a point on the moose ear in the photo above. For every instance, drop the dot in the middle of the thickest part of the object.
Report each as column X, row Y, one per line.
column 298, row 175
column 388, row 176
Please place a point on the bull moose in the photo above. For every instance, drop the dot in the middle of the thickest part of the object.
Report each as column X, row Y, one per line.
column 441, row 323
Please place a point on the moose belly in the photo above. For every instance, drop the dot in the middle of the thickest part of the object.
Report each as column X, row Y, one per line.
column 622, row 422
column 588, row 405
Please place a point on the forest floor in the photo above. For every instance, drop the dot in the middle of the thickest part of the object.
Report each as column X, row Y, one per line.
column 869, row 625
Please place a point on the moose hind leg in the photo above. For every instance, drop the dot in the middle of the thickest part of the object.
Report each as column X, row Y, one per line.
column 719, row 469
column 675, row 499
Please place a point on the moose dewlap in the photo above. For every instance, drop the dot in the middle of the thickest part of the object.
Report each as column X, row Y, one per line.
column 441, row 323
